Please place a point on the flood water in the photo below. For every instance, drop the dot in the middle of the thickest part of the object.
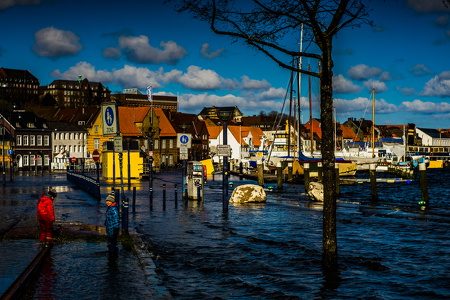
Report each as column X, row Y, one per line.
column 388, row 249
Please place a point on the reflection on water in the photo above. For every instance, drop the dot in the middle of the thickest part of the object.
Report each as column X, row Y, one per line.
column 387, row 249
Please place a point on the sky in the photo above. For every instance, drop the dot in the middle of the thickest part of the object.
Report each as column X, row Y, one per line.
column 405, row 57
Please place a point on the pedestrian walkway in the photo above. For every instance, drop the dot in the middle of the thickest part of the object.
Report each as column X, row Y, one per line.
column 78, row 265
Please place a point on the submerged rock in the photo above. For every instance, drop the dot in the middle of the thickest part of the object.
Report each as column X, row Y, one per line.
column 248, row 193
column 315, row 191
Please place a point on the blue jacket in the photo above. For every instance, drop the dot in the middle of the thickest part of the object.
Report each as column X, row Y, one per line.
column 112, row 219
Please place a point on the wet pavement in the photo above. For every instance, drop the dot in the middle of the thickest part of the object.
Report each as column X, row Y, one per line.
column 78, row 267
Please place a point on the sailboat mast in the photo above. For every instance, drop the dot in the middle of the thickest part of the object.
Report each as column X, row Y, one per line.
column 373, row 122
column 299, row 94
column 310, row 114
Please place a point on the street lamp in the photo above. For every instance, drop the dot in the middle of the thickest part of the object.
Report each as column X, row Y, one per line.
column 150, row 165
column 225, row 114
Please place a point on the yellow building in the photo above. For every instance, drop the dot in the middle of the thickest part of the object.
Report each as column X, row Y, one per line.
column 134, row 128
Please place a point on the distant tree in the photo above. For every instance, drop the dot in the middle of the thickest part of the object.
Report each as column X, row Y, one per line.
column 271, row 27
column 48, row 100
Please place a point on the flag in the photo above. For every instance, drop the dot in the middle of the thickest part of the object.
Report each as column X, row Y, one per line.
column 149, row 93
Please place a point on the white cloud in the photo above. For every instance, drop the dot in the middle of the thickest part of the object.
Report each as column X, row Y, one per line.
column 139, row 50
column 420, row 70
column 375, row 84
column 361, row 72
column 206, row 51
column 344, row 85
column 428, row 5
column 4, row 4
column 363, row 106
column 194, row 103
column 112, row 52
column 439, row 85
column 253, row 84
column 419, row 106
column 200, row 79
column 55, row 42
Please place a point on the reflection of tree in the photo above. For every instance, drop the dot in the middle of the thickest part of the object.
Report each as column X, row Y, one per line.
column 273, row 27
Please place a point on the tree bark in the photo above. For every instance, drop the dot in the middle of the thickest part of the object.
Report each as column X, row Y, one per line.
column 329, row 239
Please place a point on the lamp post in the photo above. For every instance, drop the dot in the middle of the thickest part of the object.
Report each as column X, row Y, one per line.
column 225, row 114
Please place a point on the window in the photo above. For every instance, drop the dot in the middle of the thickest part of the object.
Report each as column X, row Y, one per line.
column 25, row 140
column 39, row 140
column 32, row 140
column 46, row 140
column 163, row 144
column 26, row 160
column 156, row 144
column 32, row 162
column 19, row 140
column 96, row 129
column 96, row 144
column 170, row 144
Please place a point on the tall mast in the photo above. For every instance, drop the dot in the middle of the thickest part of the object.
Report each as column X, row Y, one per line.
column 310, row 113
column 373, row 122
column 299, row 94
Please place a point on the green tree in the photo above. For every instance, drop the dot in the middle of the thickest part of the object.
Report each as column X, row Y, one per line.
column 272, row 28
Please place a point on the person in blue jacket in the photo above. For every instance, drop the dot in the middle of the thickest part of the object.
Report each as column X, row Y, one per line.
column 112, row 223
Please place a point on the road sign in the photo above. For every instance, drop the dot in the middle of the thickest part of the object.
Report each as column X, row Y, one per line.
column 74, row 159
column 10, row 151
column 95, row 155
column 109, row 118
column 223, row 150
column 118, row 144
column 184, row 152
column 184, row 139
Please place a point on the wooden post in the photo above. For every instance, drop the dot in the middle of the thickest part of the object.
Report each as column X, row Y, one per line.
column 279, row 176
column 319, row 171
column 338, row 186
column 289, row 171
column 423, row 185
column 260, row 168
column 307, row 178
column 373, row 181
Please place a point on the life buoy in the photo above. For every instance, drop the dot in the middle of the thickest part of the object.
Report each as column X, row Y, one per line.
column 431, row 153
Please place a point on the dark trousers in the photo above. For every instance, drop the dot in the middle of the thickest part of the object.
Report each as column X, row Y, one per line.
column 112, row 243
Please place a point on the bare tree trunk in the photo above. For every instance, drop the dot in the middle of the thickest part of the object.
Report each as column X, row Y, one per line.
column 329, row 238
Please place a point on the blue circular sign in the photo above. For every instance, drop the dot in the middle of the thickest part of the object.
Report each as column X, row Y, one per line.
column 10, row 151
column 184, row 139
column 109, row 116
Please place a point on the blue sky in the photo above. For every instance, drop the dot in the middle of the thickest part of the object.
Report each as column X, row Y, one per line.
column 134, row 44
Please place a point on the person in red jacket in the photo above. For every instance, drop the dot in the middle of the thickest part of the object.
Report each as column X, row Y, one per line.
column 46, row 217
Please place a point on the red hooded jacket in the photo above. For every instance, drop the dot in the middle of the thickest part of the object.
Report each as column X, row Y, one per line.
column 45, row 210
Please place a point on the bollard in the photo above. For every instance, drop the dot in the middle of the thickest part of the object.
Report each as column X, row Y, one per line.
column 290, row 172
column 176, row 195
column 134, row 199
column 164, row 196
column 124, row 213
column 279, row 176
column 186, row 194
column 199, row 197
column 424, row 204
column 306, row 175
column 338, row 181
column 373, row 181
column 319, row 171
column 260, row 169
